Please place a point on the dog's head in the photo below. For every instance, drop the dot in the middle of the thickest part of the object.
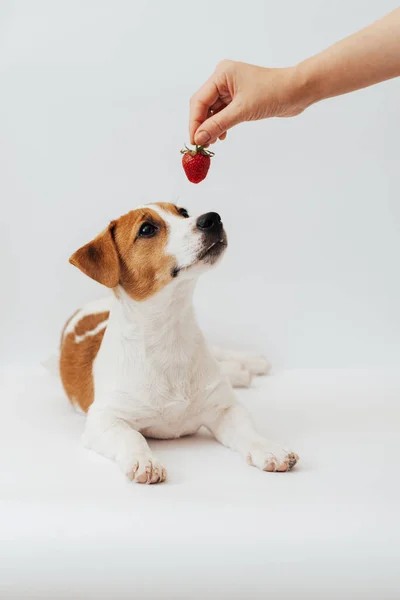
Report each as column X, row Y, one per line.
column 150, row 247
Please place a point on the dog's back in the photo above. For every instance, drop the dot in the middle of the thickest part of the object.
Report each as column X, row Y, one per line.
column 80, row 342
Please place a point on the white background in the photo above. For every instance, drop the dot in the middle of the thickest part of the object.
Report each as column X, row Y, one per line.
column 93, row 112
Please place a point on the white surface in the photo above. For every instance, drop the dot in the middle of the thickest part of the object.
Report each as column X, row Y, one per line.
column 93, row 112
column 73, row 527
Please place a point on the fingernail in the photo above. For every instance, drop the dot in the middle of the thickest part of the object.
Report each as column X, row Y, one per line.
column 202, row 138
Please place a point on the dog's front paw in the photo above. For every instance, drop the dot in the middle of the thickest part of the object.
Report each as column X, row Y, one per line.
column 270, row 457
column 145, row 468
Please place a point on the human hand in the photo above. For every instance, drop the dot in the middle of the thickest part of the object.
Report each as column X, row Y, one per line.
column 238, row 92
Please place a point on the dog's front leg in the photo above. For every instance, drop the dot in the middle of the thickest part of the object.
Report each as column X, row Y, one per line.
column 113, row 437
column 232, row 426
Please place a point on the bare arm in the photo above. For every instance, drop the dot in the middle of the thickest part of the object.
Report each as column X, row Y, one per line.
column 239, row 92
column 367, row 57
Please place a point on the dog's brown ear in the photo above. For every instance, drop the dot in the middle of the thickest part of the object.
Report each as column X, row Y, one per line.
column 99, row 259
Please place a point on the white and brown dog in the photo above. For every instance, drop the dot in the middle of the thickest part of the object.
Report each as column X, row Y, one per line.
column 137, row 362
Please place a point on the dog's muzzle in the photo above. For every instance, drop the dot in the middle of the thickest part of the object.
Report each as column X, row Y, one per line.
column 215, row 240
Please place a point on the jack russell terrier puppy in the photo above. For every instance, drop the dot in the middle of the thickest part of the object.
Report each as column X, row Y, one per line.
column 137, row 363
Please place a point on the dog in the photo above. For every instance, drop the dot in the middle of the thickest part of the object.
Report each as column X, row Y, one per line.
column 137, row 363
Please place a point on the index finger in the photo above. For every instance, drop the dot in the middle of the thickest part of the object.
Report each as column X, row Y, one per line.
column 200, row 103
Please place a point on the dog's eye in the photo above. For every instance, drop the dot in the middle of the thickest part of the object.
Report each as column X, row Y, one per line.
column 183, row 212
column 147, row 230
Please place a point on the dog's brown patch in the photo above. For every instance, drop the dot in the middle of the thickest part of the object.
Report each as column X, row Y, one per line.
column 78, row 350
column 144, row 266
column 121, row 256
column 99, row 259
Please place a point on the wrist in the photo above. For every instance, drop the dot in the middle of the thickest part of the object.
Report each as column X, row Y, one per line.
column 307, row 84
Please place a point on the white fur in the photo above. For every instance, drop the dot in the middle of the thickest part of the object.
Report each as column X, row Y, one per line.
column 156, row 377
column 184, row 241
column 256, row 365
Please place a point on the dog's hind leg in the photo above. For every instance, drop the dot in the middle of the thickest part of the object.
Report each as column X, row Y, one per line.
column 256, row 364
column 238, row 375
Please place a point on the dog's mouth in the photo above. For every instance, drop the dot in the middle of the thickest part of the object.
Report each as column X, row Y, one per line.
column 207, row 256
column 213, row 251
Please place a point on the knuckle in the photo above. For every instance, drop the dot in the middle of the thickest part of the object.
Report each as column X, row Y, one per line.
column 225, row 64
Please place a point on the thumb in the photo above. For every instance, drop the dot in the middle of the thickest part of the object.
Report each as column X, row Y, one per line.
column 215, row 126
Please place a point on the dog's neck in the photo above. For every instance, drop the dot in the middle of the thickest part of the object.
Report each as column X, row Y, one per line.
column 165, row 318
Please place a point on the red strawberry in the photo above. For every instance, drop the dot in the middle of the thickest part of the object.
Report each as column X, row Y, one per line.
column 196, row 163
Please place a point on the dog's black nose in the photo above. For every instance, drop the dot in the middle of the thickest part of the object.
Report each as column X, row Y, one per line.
column 209, row 223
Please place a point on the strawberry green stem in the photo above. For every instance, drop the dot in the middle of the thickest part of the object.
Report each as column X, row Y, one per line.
column 197, row 150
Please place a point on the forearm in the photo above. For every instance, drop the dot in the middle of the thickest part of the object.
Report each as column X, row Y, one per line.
column 239, row 92
column 369, row 56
